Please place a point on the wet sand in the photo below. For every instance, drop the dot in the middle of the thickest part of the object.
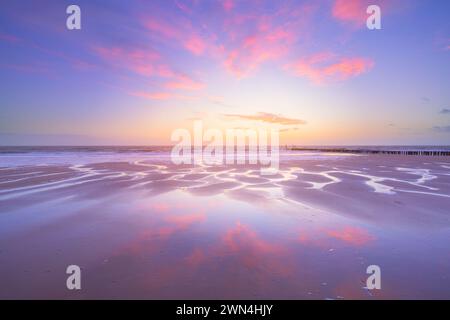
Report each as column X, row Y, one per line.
column 148, row 229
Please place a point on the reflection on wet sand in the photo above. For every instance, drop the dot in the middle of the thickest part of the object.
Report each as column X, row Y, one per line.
column 149, row 229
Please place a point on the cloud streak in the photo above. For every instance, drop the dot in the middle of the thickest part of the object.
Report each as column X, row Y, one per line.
column 327, row 67
column 184, row 83
column 350, row 11
column 266, row 117
column 153, row 95
column 148, row 63
column 352, row 235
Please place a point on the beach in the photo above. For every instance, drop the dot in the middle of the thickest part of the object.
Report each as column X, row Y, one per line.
column 141, row 227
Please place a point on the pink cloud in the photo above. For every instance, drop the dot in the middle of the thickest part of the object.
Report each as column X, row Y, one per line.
column 184, row 83
column 186, row 220
column 196, row 45
column 152, row 96
column 266, row 117
column 182, row 32
column 228, row 5
column 253, row 39
column 161, row 207
column 242, row 41
column 162, row 28
column 325, row 67
column 252, row 251
column 143, row 62
column 254, row 51
column 177, row 223
column 148, row 63
column 161, row 96
column 325, row 238
column 265, row 44
column 241, row 237
column 352, row 235
column 348, row 67
column 353, row 11
column 241, row 246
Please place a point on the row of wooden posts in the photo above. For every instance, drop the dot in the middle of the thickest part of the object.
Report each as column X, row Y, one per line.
column 373, row 151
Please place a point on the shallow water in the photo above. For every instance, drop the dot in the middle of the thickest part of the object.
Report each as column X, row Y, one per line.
column 144, row 228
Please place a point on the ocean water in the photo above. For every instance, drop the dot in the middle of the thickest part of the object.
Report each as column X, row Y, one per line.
column 25, row 156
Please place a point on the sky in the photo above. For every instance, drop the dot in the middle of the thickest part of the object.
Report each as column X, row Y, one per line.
column 138, row 70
